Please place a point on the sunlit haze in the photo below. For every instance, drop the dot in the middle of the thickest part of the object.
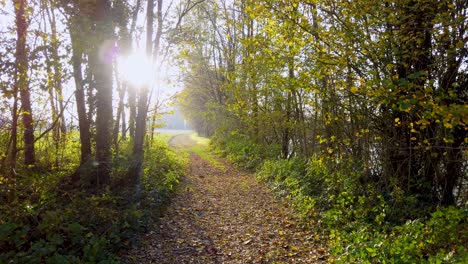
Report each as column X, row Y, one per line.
column 136, row 68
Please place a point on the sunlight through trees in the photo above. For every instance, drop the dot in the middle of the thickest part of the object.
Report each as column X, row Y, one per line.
column 356, row 111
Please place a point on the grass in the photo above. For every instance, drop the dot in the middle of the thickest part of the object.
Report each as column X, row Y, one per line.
column 202, row 149
column 166, row 136
column 203, row 141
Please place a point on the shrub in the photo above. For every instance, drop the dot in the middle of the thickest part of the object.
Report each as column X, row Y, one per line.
column 355, row 216
column 438, row 239
column 238, row 148
column 46, row 224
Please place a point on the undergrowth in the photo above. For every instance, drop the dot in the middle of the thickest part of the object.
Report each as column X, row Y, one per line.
column 362, row 222
column 239, row 149
column 42, row 220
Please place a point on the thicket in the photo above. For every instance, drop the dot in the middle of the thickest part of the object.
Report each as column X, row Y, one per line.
column 46, row 218
column 356, row 110
column 362, row 222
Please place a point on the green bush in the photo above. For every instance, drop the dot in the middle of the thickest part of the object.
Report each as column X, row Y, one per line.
column 238, row 148
column 162, row 170
column 440, row 239
column 365, row 222
column 45, row 223
column 355, row 216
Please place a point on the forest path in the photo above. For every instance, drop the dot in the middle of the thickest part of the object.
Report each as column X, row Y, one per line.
column 222, row 215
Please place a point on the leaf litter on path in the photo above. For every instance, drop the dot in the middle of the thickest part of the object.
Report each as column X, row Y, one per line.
column 226, row 216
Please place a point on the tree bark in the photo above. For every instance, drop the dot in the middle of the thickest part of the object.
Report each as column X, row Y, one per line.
column 103, row 76
column 124, row 127
column 11, row 162
column 121, row 90
column 90, row 91
column 53, row 108
column 22, row 80
column 153, row 123
column 83, row 122
column 131, row 91
column 57, row 70
column 132, row 114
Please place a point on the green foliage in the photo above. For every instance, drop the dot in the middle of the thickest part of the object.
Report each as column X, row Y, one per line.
column 438, row 239
column 363, row 101
column 241, row 150
column 289, row 178
column 287, row 174
column 163, row 168
column 79, row 228
column 48, row 223
column 355, row 218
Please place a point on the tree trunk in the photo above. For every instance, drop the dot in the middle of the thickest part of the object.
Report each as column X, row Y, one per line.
column 53, row 108
column 103, row 77
column 413, row 56
column 153, row 123
column 90, row 92
column 140, row 124
column 124, row 127
column 157, row 39
column 22, row 80
column 140, row 131
column 55, row 130
column 132, row 106
column 83, row 122
column 121, row 90
column 131, row 91
column 50, row 83
column 57, row 69
column 11, row 162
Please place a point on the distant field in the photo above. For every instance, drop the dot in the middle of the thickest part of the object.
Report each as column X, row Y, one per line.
column 174, row 131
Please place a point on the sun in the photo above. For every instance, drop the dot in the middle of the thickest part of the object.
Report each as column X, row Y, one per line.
column 136, row 68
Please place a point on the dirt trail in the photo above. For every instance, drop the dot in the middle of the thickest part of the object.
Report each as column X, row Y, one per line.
column 181, row 141
column 225, row 216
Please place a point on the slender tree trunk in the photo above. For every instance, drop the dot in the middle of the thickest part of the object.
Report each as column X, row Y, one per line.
column 50, row 90
column 140, row 125
column 22, row 80
column 50, row 82
column 55, row 130
column 14, row 135
column 83, row 122
column 121, row 90
column 131, row 91
column 124, row 127
column 140, row 131
column 57, row 69
column 103, row 76
column 8, row 165
column 153, row 123
column 132, row 106
column 157, row 39
column 287, row 123
column 90, row 92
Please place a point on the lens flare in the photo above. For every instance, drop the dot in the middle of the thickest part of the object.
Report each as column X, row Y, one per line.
column 137, row 69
